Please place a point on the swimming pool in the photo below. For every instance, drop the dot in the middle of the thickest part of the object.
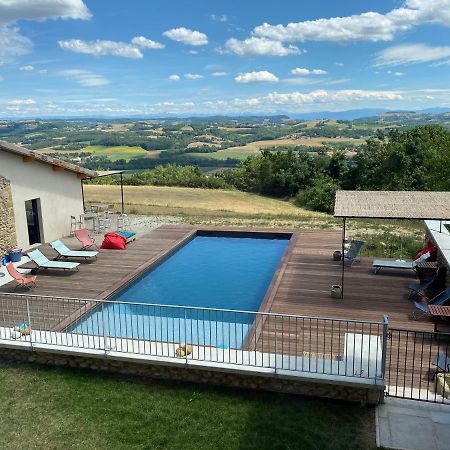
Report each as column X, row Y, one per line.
column 229, row 271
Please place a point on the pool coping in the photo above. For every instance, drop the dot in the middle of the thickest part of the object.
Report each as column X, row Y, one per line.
column 257, row 326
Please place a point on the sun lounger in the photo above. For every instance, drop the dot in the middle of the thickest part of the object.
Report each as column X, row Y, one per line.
column 378, row 264
column 128, row 235
column 86, row 241
column 65, row 252
column 22, row 281
column 43, row 262
column 352, row 254
column 422, row 308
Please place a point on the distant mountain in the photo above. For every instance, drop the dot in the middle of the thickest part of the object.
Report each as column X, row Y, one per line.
column 353, row 114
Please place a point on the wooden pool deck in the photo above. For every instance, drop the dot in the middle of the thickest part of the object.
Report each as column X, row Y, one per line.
column 303, row 287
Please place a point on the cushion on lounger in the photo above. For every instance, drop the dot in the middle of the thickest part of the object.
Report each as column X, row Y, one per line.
column 127, row 234
column 113, row 241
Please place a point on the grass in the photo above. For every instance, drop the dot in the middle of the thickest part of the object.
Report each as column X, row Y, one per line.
column 112, row 153
column 115, row 153
column 44, row 407
column 253, row 148
column 198, row 202
column 384, row 238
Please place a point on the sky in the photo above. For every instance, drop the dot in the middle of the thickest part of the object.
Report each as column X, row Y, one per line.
column 119, row 58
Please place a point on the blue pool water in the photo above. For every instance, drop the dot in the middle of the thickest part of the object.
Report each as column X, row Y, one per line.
column 214, row 272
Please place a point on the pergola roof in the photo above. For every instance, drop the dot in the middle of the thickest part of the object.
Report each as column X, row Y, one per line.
column 393, row 204
column 107, row 173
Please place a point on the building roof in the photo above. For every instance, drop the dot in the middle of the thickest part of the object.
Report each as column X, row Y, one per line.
column 393, row 204
column 41, row 157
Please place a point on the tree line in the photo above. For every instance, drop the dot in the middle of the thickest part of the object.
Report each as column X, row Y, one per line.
column 415, row 159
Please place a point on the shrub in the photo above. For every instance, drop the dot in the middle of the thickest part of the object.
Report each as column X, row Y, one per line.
column 319, row 196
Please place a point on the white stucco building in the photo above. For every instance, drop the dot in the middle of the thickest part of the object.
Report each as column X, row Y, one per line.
column 38, row 195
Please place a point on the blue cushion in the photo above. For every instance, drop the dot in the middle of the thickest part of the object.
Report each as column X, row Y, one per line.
column 127, row 234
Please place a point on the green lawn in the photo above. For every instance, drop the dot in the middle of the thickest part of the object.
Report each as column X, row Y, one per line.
column 115, row 153
column 43, row 407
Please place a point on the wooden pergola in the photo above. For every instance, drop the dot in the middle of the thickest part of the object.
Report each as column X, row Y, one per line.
column 402, row 205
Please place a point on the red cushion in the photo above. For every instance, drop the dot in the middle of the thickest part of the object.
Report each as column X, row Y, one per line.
column 113, row 241
column 430, row 247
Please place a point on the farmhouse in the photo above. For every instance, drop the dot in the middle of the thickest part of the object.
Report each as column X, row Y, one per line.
column 38, row 195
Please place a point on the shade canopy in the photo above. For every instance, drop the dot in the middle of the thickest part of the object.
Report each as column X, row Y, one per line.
column 393, row 204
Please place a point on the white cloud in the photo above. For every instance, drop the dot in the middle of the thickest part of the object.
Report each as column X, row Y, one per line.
column 368, row 26
column 193, row 76
column 193, row 52
column 13, row 10
column 288, row 102
column 102, row 48
column 399, row 74
column 26, row 68
column 262, row 76
column 12, row 44
column 19, row 102
column 219, row 17
column 411, row 54
column 84, row 77
column 186, row 36
column 321, row 96
column 301, row 81
column 43, row 71
column 143, row 42
column 174, row 77
column 260, row 47
column 219, row 74
column 303, row 71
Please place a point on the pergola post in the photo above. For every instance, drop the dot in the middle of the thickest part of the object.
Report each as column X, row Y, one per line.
column 82, row 194
column 343, row 257
column 121, row 191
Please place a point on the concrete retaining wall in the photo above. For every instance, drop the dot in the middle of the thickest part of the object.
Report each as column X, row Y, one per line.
column 365, row 393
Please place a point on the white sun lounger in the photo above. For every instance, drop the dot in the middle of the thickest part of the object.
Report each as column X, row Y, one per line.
column 65, row 252
column 378, row 264
column 43, row 262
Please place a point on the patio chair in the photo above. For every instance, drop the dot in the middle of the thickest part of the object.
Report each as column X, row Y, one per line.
column 75, row 223
column 433, row 285
column 86, row 241
column 29, row 282
column 43, row 262
column 352, row 254
column 65, row 252
column 422, row 308
column 442, row 364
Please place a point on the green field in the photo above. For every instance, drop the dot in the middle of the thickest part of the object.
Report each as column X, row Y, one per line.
column 50, row 408
column 253, row 148
column 115, row 153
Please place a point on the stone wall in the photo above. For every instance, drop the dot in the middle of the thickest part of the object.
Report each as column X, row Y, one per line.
column 7, row 223
column 368, row 394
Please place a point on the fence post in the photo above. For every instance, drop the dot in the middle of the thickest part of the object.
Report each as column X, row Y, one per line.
column 185, row 338
column 29, row 322
column 105, row 346
column 384, row 348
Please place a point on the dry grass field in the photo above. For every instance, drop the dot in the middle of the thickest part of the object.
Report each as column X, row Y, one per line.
column 217, row 206
column 253, row 148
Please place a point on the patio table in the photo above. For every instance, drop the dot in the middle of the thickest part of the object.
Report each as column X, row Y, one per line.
column 438, row 312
